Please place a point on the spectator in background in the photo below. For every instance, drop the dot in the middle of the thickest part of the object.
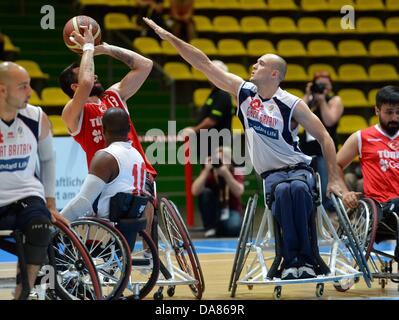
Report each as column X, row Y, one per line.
column 219, row 189
column 152, row 9
column 328, row 108
column 181, row 16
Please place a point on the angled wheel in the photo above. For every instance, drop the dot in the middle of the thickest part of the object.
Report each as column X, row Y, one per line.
column 181, row 243
column 76, row 277
column 109, row 252
column 243, row 249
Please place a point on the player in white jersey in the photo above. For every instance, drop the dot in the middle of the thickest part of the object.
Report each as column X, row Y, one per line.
column 26, row 198
column 118, row 168
column 271, row 117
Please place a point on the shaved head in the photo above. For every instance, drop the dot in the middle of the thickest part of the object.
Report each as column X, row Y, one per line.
column 277, row 63
column 8, row 70
column 116, row 122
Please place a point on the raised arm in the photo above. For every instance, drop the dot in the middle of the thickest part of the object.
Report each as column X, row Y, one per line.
column 73, row 109
column 224, row 80
column 140, row 69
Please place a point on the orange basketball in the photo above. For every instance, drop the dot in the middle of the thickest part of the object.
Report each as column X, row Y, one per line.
column 74, row 25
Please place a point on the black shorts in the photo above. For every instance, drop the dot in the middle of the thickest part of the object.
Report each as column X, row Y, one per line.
column 17, row 215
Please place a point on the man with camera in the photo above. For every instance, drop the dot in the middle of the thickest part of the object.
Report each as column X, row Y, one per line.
column 219, row 189
column 329, row 109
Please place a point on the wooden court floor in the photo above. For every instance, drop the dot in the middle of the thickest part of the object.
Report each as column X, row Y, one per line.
column 217, row 269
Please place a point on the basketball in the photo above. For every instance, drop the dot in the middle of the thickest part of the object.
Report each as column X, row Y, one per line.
column 74, row 25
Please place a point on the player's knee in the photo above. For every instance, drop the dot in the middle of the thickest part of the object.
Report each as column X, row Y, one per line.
column 299, row 188
column 282, row 191
column 37, row 239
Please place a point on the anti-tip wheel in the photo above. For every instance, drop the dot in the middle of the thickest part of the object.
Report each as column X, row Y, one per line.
column 277, row 293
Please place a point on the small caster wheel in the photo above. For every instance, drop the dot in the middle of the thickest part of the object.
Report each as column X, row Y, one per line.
column 171, row 291
column 277, row 293
column 158, row 296
column 319, row 290
column 250, row 287
column 382, row 283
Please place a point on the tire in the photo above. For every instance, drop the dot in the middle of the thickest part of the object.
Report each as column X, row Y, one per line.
column 242, row 248
column 67, row 253
column 180, row 241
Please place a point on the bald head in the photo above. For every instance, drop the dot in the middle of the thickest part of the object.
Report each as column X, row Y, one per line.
column 277, row 63
column 116, row 122
column 8, row 70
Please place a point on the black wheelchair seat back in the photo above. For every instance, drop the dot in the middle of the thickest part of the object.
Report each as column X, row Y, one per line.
column 388, row 222
column 126, row 205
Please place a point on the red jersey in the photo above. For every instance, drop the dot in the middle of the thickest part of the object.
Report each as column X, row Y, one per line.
column 90, row 134
column 379, row 160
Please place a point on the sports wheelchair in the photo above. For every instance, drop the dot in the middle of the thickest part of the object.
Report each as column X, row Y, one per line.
column 376, row 222
column 70, row 273
column 258, row 260
column 126, row 257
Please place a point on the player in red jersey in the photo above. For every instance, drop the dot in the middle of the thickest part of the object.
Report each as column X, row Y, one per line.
column 89, row 101
column 378, row 150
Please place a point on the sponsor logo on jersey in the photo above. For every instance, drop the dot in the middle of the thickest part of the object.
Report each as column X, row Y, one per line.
column 97, row 135
column 388, row 159
column 394, row 144
column 10, row 135
column 255, row 104
column 20, row 132
column 266, row 131
column 11, row 165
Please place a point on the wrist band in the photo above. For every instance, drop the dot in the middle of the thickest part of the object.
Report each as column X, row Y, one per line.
column 88, row 46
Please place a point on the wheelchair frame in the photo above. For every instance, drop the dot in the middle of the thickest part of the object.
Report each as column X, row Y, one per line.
column 341, row 265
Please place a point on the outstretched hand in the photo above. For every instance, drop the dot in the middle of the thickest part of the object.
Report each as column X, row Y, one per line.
column 161, row 32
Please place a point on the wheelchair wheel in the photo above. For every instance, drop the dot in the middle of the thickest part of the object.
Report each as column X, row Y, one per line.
column 109, row 252
column 145, row 267
column 243, row 250
column 76, row 277
column 180, row 241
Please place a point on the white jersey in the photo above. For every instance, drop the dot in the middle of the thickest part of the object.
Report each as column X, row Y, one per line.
column 18, row 156
column 269, row 138
column 131, row 177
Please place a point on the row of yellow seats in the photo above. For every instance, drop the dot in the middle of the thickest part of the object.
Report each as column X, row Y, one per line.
column 305, row 5
column 50, row 97
column 349, row 124
column 34, row 70
column 282, row 24
column 9, row 46
column 295, row 72
column 285, row 48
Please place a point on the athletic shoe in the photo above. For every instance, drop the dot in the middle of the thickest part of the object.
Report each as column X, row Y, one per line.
column 210, row 233
column 306, row 272
column 289, row 274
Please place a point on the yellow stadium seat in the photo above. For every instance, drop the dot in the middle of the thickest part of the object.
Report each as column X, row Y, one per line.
column 282, row 5
column 168, row 49
column 295, row 72
column 227, row 4
column 336, row 5
column 373, row 121
column 58, row 126
column 118, row 21
column 296, row 92
column 259, row 47
column 383, row 72
column 352, row 48
column 236, row 125
column 177, row 71
column 204, row 4
column 231, row 47
column 383, row 48
column 311, row 25
column 253, row 24
column 93, row 2
column 322, row 67
column 203, row 24
column 253, row 4
column 369, row 5
column 291, row 48
column 392, row 25
column 147, row 45
column 369, row 25
column 117, row 3
column 333, row 25
column 372, row 96
column 321, row 48
column 54, row 97
column 226, row 24
column 198, row 75
column 34, row 99
column 392, row 5
column 33, row 69
column 238, row 69
column 9, row 46
column 200, row 95
column 314, row 5
column 349, row 124
column 353, row 98
column 205, row 45
column 282, row 25
column 352, row 72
